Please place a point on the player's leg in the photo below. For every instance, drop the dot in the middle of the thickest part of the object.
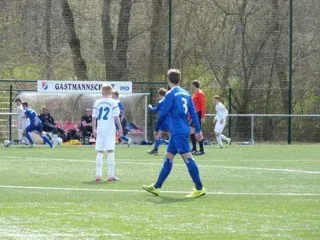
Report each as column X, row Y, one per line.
column 157, row 143
column 165, row 170
column 28, row 130
column 43, row 136
column 193, row 139
column 184, row 150
column 110, row 146
column 224, row 138
column 99, row 158
column 201, row 151
column 217, row 132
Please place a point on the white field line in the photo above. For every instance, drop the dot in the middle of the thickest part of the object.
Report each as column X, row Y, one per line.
column 142, row 191
column 120, row 161
column 160, row 157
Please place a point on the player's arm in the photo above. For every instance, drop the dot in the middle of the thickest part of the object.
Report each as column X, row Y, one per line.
column 94, row 119
column 157, row 108
column 167, row 105
column 115, row 114
column 202, row 99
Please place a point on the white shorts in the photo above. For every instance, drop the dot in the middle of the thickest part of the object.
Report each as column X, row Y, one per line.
column 105, row 143
column 219, row 127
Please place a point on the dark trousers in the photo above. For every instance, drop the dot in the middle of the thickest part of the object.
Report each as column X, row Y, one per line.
column 193, row 137
column 86, row 131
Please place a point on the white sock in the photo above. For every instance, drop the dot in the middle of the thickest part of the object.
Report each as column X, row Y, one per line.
column 223, row 137
column 111, row 165
column 219, row 141
column 99, row 161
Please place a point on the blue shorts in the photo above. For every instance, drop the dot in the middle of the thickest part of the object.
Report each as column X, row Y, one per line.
column 179, row 144
column 32, row 128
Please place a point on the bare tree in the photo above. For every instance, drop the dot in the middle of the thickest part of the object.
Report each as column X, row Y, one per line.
column 79, row 63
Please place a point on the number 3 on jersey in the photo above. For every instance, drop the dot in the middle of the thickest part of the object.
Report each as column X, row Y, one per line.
column 101, row 110
column 185, row 105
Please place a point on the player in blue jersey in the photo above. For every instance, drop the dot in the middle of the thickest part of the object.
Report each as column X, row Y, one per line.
column 115, row 95
column 35, row 125
column 178, row 103
column 165, row 126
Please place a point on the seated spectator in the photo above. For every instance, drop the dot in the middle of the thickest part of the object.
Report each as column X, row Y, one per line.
column 49, row 125
column 47, row 121
column 86, row 123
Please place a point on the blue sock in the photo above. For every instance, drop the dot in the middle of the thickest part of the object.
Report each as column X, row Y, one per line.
column 124, row 138
column 47, row 140
column 194, row 172
column 157, row 144
column 29, row 137
column 164, row 173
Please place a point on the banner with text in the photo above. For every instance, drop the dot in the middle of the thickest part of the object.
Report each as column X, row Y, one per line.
column 80, row 86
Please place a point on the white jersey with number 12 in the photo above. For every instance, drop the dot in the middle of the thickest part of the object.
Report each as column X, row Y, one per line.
column 105, row 110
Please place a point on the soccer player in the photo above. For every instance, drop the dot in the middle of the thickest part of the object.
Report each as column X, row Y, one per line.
column 115, row 95
column 165, row 126
column 199, row 100
column 105, row 114
column 35, row 125
column 220, row 121
column 23, row 121
column 179, row 104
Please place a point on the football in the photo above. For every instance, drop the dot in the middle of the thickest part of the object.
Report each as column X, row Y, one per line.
column 59, row 141
column 7, row 143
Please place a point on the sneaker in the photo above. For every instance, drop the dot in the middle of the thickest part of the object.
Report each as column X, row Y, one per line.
column 113, row 179
column 193, row 151
column 151, row 189
column 98, row 179
column 199, row 153
column 197, row 193
column 30, row 145
column 153, row 152
column 129, row 142
column 220, row 146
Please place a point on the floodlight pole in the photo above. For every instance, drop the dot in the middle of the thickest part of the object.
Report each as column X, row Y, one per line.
column 170, row 35
column 290, row 74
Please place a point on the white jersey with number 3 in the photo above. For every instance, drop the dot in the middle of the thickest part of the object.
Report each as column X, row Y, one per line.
column 105, row 110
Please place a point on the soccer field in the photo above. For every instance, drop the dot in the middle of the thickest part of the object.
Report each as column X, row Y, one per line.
column 260, row 192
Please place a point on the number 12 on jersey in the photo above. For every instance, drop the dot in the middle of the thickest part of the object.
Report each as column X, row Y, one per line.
column 101, row 111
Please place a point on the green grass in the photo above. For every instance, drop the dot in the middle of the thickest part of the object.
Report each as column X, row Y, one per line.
column 260, row 192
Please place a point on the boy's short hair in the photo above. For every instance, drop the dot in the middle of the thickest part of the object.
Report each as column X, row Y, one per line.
column 216, row 97
column 25, row 104
column 18, row 100
column 174, row 76
column 162, row 91
column 196, row 83
column 107, row 88
column 116, row 93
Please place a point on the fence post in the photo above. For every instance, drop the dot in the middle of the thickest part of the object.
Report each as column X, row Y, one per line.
column 230, row 111
column 10, row 117
column 151, row 115
column 252, row 129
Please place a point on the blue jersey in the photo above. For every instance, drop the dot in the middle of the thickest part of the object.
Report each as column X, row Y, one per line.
column 166, row 125
column 178, row 103
column 121, row 107
column 32, row 115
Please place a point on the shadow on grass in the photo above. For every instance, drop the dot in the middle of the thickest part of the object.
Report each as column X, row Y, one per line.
column 94, row 182
column 167, row 200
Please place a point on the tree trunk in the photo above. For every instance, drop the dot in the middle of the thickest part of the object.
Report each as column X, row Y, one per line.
column 157, row 40
column 79, row 63
column 107, row 38
column 48, row 57
column 122, row 39
column 280, row 62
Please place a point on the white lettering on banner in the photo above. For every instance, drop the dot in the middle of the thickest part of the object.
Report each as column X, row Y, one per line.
column 80, row 86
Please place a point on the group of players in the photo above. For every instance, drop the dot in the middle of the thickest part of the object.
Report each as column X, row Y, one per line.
column 199, row 101
column 176, row 110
